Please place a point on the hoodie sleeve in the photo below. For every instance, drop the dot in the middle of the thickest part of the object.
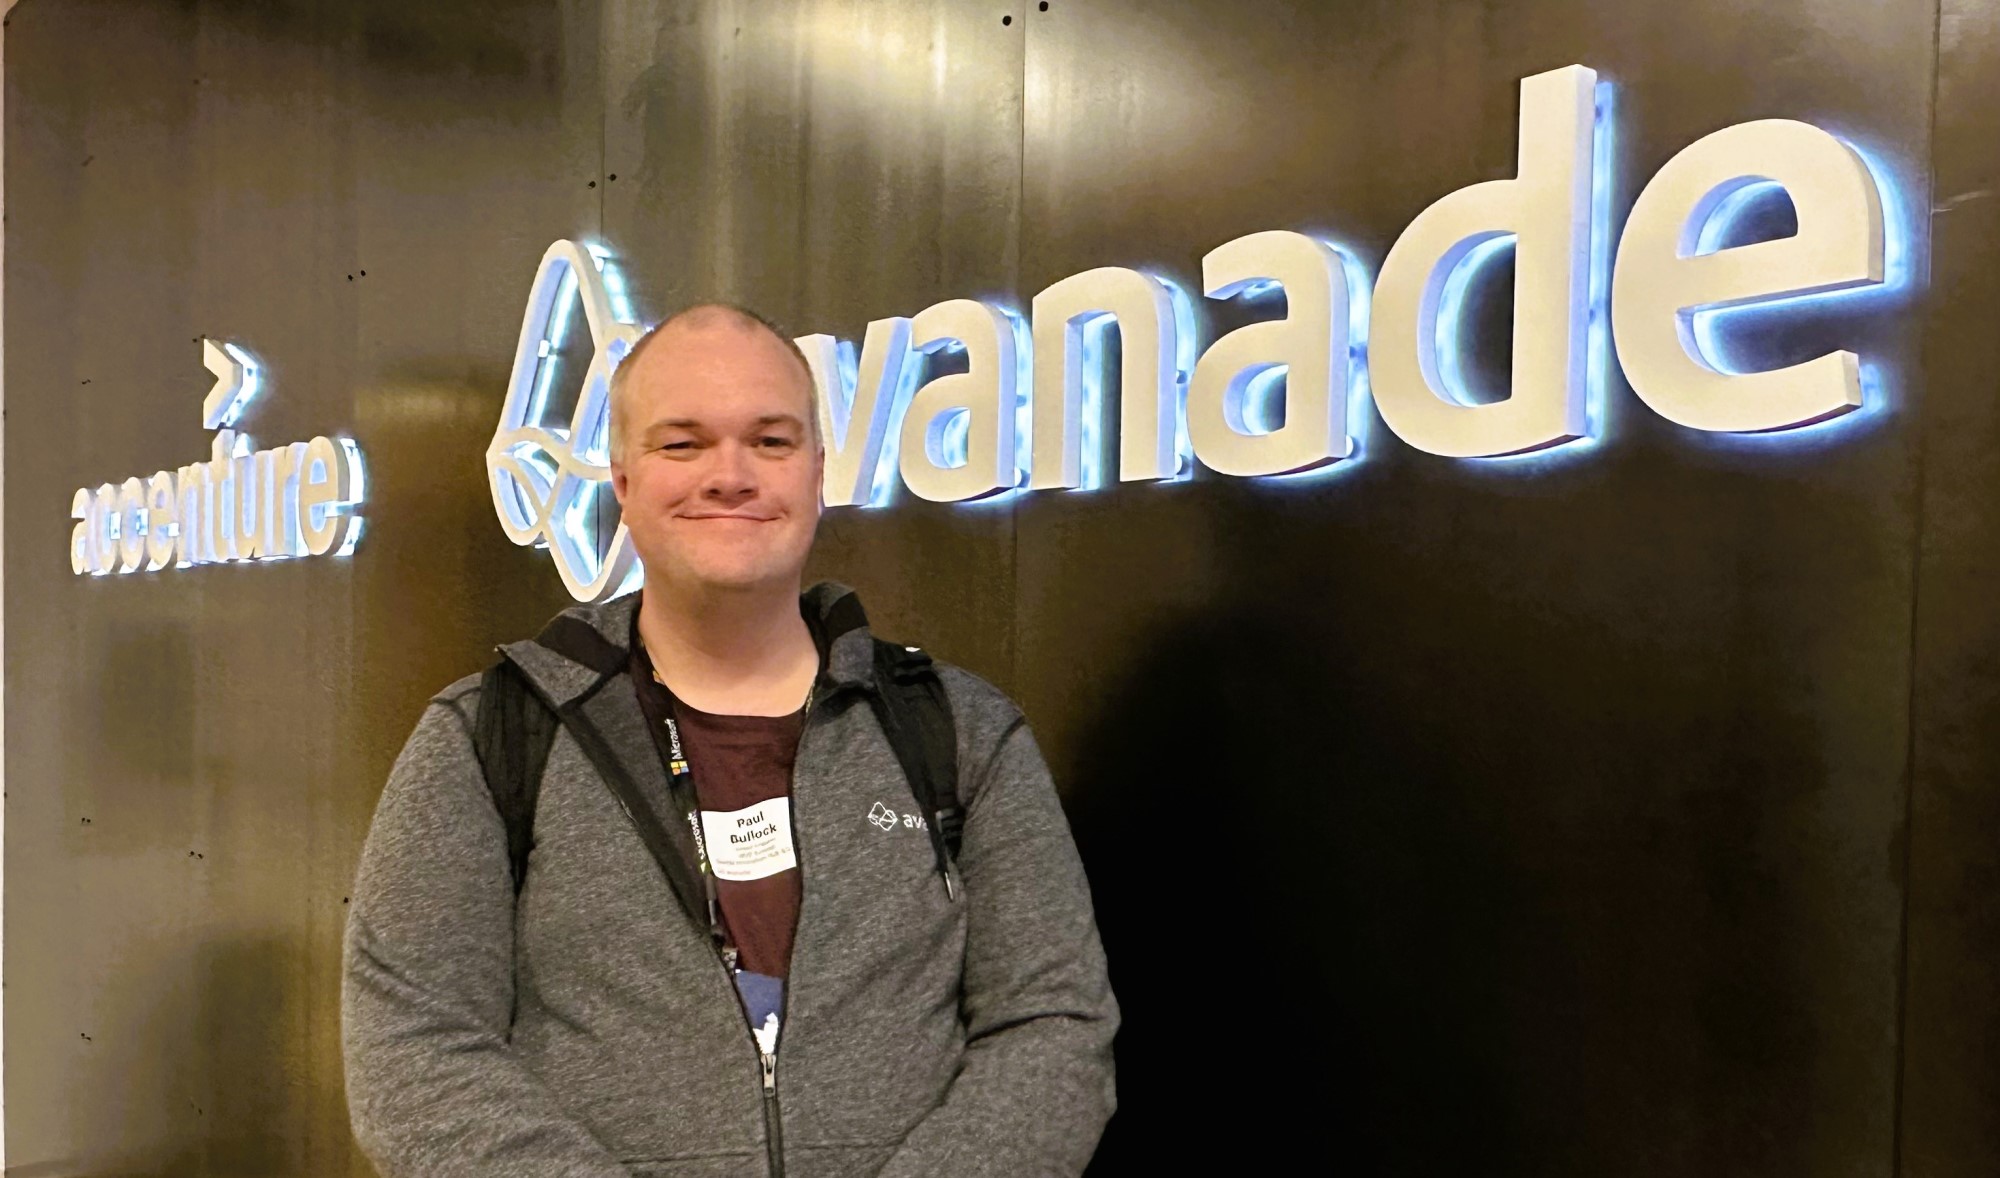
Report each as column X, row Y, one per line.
column 427, row 995
column 1035, row 1089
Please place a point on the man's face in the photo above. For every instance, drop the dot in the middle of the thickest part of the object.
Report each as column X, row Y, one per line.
column 719, row 472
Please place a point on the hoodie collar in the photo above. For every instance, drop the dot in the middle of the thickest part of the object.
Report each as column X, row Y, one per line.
column 585, row 645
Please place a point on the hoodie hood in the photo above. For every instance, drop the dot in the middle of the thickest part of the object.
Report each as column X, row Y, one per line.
column 585, row 645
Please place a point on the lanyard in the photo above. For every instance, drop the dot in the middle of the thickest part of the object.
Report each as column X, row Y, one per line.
column 680, row 785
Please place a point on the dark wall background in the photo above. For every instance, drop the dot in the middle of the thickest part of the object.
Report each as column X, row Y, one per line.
column 1626, row 813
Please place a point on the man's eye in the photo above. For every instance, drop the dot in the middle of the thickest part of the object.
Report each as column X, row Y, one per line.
column 677, row 446
column 774, row 441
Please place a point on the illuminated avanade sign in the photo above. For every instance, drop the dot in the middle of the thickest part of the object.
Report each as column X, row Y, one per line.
column 243, row 504
column 1282, row 397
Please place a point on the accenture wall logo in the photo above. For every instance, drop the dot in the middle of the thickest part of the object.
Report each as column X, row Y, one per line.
column 1673, row 304
column 243, row 504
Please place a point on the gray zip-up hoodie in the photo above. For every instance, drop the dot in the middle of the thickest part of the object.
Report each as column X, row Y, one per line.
column 590, row 1028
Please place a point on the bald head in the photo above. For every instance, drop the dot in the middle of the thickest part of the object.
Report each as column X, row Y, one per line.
column 711, row 328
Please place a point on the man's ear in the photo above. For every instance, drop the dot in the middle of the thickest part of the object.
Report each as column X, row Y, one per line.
column 618, row 480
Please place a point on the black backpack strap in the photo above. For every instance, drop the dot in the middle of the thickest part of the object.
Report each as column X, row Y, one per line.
column 515, row 729
column 675, row 856
column 916, row 717
column 579, row 641
column 511, row 735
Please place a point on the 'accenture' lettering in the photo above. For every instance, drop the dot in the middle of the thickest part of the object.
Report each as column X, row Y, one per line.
column 240, row 505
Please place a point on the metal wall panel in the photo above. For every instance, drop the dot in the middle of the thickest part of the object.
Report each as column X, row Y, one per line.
column 1557, row 802
column 832, row 163
column 1531, row 818
column 358, row 194
column 1951, row 1045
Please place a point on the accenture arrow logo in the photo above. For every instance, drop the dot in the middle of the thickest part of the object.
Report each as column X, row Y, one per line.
column 237, row 382
column 547, row 477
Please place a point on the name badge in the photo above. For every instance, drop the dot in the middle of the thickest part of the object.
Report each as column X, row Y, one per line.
column 750, row 843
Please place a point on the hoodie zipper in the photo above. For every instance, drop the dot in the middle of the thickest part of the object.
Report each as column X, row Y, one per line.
column 767, row 1061
column 774, row 1129
column 726, row 957
column 774, row 1133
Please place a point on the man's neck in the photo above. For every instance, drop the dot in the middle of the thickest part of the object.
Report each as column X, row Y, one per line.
column 745, row 652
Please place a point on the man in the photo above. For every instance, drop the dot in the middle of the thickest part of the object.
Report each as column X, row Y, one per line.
column 804, row 983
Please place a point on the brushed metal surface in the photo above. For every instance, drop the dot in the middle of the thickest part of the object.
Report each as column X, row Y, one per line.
column 1951, row 1034
column 1541, row 818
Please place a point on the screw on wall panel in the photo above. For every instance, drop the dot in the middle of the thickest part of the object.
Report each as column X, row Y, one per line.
column 350, row 278
column 86, row 822
column 344, row 899
column 614, row 175
column 84, row 1037
column 1045, row 5
column 1006, row 20
column 592, row 184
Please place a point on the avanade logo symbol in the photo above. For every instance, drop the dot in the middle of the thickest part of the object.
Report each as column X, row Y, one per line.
column 1284, row 397
column 243, row 504
column 549, row 480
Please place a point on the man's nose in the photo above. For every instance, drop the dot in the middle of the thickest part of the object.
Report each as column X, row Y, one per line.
column 731, row 478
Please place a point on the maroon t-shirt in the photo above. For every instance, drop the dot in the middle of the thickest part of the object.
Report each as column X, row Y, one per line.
column 736, row 762
column 739, row 761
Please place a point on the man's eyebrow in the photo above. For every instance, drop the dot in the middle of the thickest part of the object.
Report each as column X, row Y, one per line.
column 655, row 431
column 691, row 424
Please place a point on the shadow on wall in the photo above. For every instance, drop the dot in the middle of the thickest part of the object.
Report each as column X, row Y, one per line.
column 1263, row 922
column 1387, row 906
